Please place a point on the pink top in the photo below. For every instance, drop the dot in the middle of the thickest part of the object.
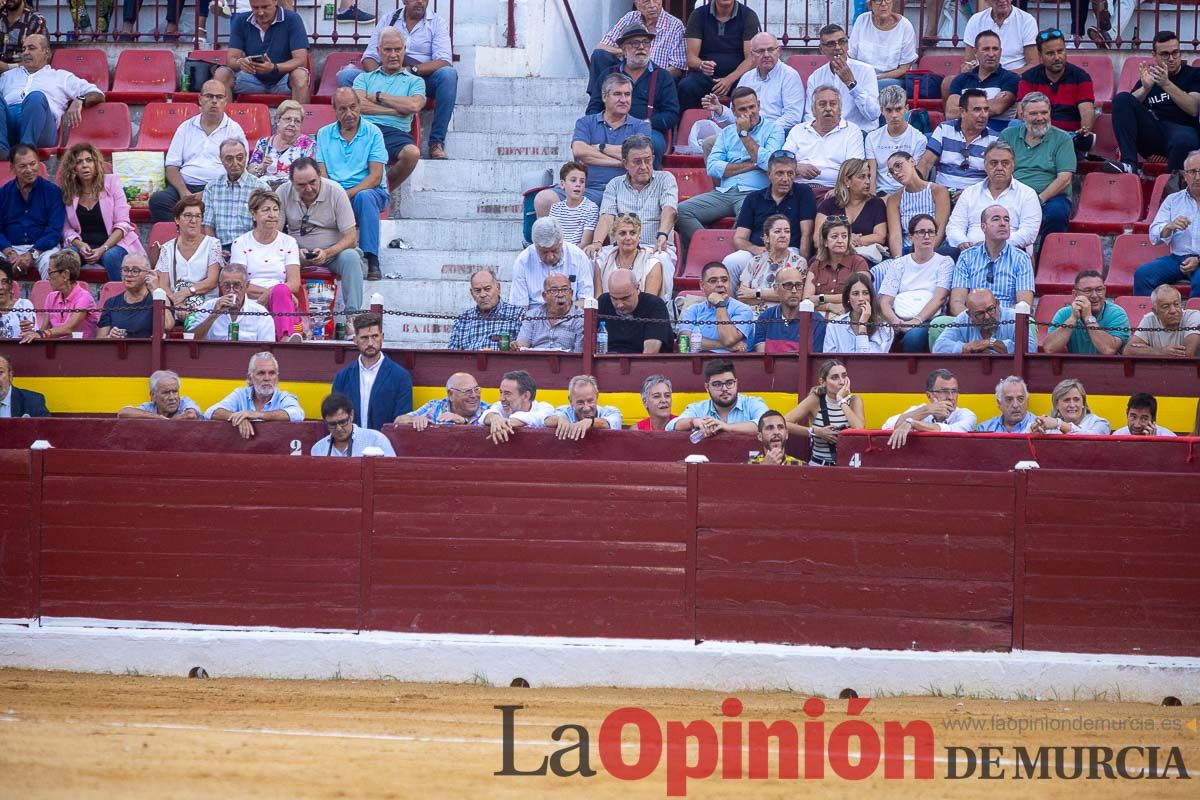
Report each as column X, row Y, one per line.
column 114, row 208
column 78, row 298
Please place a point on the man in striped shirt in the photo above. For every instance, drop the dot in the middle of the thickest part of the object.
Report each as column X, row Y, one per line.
column 956, row 148
column 653, row 195
column 995, row 264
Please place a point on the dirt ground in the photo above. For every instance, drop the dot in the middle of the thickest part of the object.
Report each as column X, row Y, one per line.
column 81, row 736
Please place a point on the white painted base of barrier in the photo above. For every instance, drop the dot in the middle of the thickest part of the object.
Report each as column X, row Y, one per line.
column 162, row 649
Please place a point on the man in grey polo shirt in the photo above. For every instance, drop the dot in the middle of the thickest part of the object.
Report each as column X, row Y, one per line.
column 318, row 214
column 651, row 194
column 555, row 324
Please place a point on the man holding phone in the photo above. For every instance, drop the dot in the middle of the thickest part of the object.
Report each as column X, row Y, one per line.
column 268, row 53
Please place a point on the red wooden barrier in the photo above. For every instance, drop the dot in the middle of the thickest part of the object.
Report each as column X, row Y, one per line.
column 855, row 558
column 17, row 548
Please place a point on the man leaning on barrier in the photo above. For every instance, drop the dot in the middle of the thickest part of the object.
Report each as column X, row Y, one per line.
column 518, row 407
column 461, row 406
column 725, row 409
column 260, row 400
column 165, row 401
column 583, row 411
column 939, row 412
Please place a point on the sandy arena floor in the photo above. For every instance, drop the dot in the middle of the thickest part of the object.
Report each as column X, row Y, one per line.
column 79, row 736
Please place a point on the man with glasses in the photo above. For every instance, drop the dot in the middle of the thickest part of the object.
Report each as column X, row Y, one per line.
column 855, row 81
column 784, row 196
column 823, row 141
column 232, row 305
column 1091, row 324
column 260, row 400
column 939, row 412
column 725, row 409
column 461, row 406
column 1157, row 116
column 666, row 49
column 1176, row 223
column 652, row 195
column 1000, row 188
column 654, row 96
column 226, row 213
column 995, row 265
column 779, row 88
column 721, row 324
column 345, row 439
column 997, row 83
column 480, row 327
column 778, row 328
column 555, row 324
column 1168, row 330
column 1046, row 161
column 379, row 388
column 194, row 156
column 717, row 38
column 984, row 327
column 1067, row 87
column 318, row 215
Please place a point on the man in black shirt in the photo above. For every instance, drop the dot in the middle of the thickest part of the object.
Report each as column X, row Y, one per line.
column 1158, row 116
column 717, row 38
column 784, row 196
column 624, row 300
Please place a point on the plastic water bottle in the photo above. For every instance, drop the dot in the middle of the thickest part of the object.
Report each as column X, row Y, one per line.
column 696, row 341
column 601, row 340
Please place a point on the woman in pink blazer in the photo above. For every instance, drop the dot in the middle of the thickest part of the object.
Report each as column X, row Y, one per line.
column 97, row 225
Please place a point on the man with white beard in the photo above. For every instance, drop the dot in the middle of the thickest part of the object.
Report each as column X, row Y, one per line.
column 260, row 400
column 1045, row 160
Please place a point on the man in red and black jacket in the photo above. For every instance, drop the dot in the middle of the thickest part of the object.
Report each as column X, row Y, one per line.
column 1072, row 98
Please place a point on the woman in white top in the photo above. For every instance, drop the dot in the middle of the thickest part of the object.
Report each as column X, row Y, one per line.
column 886, row 40
column 757, row 283
column 187, row 266
column 629, row 253
column 915, row 287
column 1070, row 412
column 16, row 316
column 861, row 329
column 272, row 263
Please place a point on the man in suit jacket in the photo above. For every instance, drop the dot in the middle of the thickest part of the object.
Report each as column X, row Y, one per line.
column 380, row 388
column 16, row 402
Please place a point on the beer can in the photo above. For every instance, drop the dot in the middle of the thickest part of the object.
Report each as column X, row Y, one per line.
column 505, row 340
column 233, row 331
column 339, row 331
column 330, row 10
column 685, row 344
column 185, row 82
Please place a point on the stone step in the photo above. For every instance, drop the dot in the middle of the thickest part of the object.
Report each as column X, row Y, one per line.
column 475, row 176
column 544, row 92
column 468, row 234
column 517, row 120
column 447, row 206
column 539, row 147
column 445, row 266
column 427, row 296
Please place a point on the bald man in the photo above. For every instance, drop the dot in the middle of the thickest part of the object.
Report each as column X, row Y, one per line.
column 624, row 307
column 460, row 406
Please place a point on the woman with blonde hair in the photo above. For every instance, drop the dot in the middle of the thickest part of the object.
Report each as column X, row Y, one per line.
column 852, row 197
column 271, row 259
column 97, row 213
column 828, row 408
column 1069, row 412
column 630, row 253
column 272, row 156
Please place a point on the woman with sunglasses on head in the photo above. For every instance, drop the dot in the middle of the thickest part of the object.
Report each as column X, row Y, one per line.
column 757, row 283
column 273, row 155
column 828, row 408
column 836, row 261
column 915, row 196
column 862, row 328
column 630, row 253
column 1069, row 413
column 853, row 197
column 916, row 286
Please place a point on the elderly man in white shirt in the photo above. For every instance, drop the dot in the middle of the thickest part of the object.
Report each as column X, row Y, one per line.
column 37, row 97
column 824, row 141
column 939, row 412
column 780, row 88
column 1017, row 30
column 194, row 157
column 965, row 227
column 855, row 81
column 548, row 254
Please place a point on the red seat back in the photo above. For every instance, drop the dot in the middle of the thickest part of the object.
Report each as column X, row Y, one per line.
column 162, row 232
column 144, row 75
column 1047, row 306
column 1135, row 307
column 1100, row 68
column 1194, row 302
column 1130, row 73
column 159, row 122
column 1157, row 192
column 317, row 116
column 91, row 65
column 1129, row 252
column 807, row 63
column 1106, row 139
column 108, row 126
column 108, row 291
column 1108, row 203
column 255, row 119
column 707, row 245
column 1063, row 256
column 692, row 181
column 329, row 70
column 944, row 64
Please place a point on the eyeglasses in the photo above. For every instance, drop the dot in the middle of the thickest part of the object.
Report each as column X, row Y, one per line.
column 924, row 232
column 836, row 43
column 231, row 287
column 986, row 312
column 1047, row 35
column 1169, row 54
column 213, row 97
column 473, row 392
column 762, row 51
column 792, row 286
column 333, row 424
column 559, row 290
column 1191, row 173
column 638, row 43
column 192, row 216
column 132, row 270
column 1095, row 290
column 784, row 154
column 729, row 384
column 305, row 230
column 991, row 272
column 944, row 392
column 291, row 121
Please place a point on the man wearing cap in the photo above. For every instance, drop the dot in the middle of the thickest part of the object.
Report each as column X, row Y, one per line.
column 667, row 49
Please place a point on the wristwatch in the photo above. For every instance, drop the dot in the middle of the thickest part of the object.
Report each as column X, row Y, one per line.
column 413, row 69
column 662, row 235
column 378, row 102
column 758, row 294
column 35, row 253
column 743, row 134
column 851, row 85
column 602, row 146
column 1090, row 320
column 723, row 304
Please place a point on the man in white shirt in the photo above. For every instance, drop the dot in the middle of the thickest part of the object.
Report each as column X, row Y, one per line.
column 965, row 228
column 518, row 407
column 896, row 135
column 583, row 411
column 939, row 412
column 1017, row 30
column 1141, row 414
column 37, row 97
column 232, row 305
column 548, row 254
column 1169, row 330
column 194, row 157
column 780, row 88
column 854, row 81
column 824, row 141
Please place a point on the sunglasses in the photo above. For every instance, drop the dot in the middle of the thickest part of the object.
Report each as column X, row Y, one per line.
column 1047, row 35
column 991, row 272
column 784, row 154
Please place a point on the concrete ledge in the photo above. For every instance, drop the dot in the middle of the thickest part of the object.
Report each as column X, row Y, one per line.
column 167, row 649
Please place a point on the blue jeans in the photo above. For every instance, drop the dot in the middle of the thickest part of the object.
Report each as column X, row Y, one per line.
column 111, row 260
column 367, row 206
column 28, row 122
column 441, row 86
column 917, row 339
column 1056, row 215
column 1151, row 275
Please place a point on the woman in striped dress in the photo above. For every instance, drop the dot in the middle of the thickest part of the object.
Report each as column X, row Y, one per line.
column 915, row 196
column 830, row 407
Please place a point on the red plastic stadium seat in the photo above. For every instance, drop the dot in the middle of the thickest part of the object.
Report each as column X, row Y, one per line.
column 317, row 116
column 1104, row 148
column 109, row 290
column 1135, row 307
column 1194, row 303
column 1130, row 72
column 807, row 63
column 91, row 65
column 707, row 245
column 1156, row 197
column 936, row 118
column 1063, row 256
column 143, row 76
column 677, row 159
column 692, row 181
column 1100, row 67
column 329, row 70
column 162, row 232
column 1047, row 306
column 255, row 119
column 944, row 64
column 159, row 121
column 1108, row 204
column 107, row 126
column 1129, row 252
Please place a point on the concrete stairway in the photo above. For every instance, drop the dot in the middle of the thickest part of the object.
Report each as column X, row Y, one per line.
column 465, row 213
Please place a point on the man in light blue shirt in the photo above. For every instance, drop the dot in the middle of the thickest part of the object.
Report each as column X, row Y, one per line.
column 1176, row 224
column 725, row 409
column 461, row 406
column 995, row 264
column 737, row 165
column 984, row 327
column 1091, row 324
column 583, row 411
column 346, row 439
column 165, row 401
column 700, row 319
column 260, row 400
column 1012, row 396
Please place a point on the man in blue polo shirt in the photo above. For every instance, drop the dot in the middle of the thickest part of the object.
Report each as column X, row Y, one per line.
column 390, row 97
column 997, row 83
column 268, row 53
column 956, row 147
column 784, row 196
column 725, row 409
column 781, row 322
column 352, row 152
